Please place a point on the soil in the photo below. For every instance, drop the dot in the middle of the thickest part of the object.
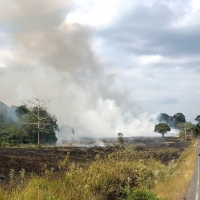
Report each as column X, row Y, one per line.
column 33, row 160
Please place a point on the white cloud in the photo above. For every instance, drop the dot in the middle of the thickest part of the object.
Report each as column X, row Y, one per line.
column 5, row 57
column 149, row 59
column 195, row 5
column 95, row 13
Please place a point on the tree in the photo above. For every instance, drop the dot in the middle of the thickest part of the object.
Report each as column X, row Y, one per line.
column 198, row 125
column 120, row 139
column 187, row 129
column 21, row 110
column 38, row 119
column 162, row 128
column 197, row 118
column 165, row 118
column 18, row 125
column 178, row 118
column 15, row 136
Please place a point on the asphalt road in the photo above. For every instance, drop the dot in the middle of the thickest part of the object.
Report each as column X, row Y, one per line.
column 194, row 188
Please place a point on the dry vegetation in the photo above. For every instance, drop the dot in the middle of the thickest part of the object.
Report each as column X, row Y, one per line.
column 95, row 173
column 176, row 187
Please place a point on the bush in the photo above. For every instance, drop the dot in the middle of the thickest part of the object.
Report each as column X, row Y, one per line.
column 4, row 144
column 139, row 195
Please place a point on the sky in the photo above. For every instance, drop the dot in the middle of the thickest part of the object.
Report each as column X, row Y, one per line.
column 106, row 66
column 152, row 48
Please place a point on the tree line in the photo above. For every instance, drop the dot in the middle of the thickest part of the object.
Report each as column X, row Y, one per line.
column 27, row 123
column 178, row 122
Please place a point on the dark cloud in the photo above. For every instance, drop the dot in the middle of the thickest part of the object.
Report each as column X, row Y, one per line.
column 150, row 30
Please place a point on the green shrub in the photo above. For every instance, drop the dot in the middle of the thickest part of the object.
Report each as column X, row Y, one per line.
column 139, row 195
column 4, row 144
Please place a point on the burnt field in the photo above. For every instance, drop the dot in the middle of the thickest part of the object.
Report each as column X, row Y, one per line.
column 33, row 160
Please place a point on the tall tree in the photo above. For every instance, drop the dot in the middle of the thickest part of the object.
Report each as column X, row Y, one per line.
column 178, row 118
column 162, row 128
column 38, row 117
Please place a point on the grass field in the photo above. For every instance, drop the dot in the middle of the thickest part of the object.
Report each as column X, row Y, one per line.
column 97, row 173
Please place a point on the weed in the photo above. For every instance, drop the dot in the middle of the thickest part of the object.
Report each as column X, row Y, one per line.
column 11, row 175
column 22, row 175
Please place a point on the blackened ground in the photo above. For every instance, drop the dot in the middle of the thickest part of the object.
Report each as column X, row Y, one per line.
column 33, row 160
column 147, row 141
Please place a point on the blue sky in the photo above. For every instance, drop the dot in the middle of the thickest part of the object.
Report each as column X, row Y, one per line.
column 105, row 66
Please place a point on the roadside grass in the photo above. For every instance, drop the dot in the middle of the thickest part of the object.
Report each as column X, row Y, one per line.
column 101, row 180
column 122, row 175
column 176, row 187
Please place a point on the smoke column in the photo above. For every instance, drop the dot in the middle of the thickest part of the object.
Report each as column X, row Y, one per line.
column 42, row 54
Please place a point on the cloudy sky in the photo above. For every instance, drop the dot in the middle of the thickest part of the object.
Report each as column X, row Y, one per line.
column 152, row 47
column 106, row 66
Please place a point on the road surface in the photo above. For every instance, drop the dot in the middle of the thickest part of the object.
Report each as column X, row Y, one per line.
column 194, row 188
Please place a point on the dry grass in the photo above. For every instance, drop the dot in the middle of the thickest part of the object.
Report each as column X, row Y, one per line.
column 176, row 187
column 107, row 179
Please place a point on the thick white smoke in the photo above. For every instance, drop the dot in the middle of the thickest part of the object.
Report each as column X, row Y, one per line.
column 43, row 54
column 107, row 119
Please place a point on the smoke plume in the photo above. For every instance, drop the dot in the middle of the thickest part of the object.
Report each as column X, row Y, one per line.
column 42, row 54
